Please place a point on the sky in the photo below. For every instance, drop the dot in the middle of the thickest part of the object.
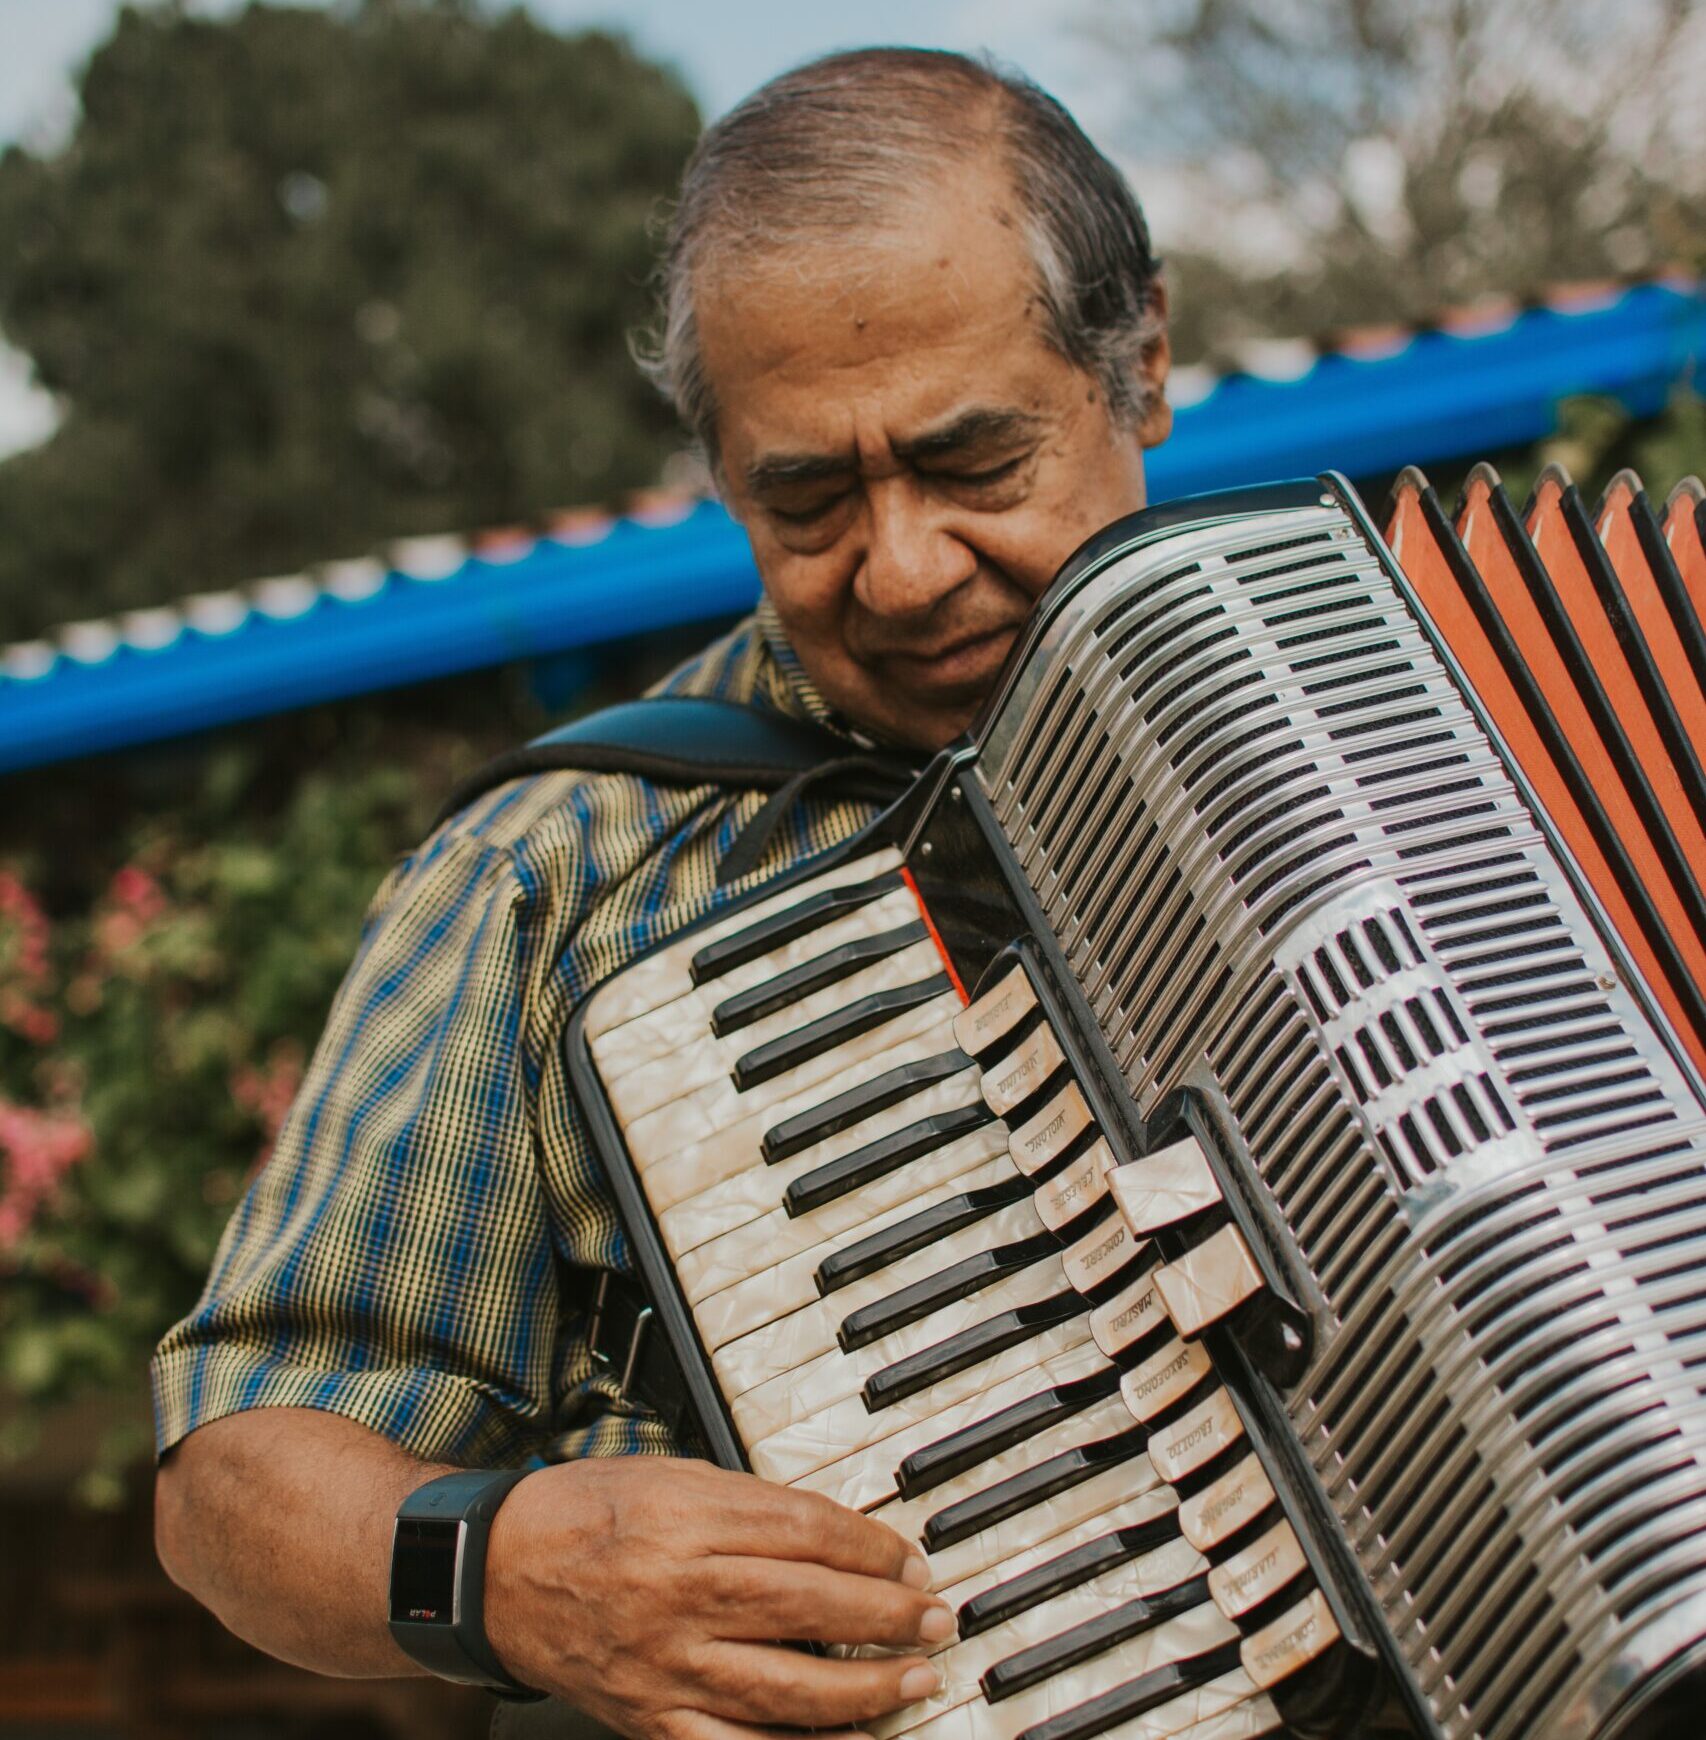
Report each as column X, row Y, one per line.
column 721, row 48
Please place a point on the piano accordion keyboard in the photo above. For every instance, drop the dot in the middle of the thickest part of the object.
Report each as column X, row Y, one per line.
column 928, row 1289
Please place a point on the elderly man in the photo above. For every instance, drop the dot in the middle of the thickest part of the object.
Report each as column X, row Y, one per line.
column 913, row 317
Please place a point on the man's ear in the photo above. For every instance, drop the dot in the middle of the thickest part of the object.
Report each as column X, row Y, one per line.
column 1156, row 423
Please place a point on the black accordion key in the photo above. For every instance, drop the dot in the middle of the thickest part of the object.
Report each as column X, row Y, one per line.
column 780, row 1055
column 781, row 928
column 1020, row 1491
column 982, row 1341
column 794, row 1135
column 1136, row 1696
column 877, row 1250
column 959, row 1281
column 829, row 968
column 995, row 1606
column 877, row 1159
column 1017, row 1673
column 978, row 1442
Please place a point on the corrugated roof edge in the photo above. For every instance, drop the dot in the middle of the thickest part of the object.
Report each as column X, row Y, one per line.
column 1366, row 401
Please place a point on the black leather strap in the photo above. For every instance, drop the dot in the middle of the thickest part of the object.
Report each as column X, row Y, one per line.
column 686, row 740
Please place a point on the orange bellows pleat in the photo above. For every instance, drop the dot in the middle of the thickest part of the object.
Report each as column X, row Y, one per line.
column 1534, row 625
column 1665, row 623
column 1685, row 538
column 1599, row 612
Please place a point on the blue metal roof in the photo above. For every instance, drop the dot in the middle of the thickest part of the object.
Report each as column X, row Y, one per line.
column 439, row 606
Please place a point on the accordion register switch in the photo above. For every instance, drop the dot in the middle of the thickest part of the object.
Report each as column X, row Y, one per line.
column 1219, row 1164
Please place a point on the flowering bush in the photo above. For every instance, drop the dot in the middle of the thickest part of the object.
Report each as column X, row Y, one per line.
column 153, row 1029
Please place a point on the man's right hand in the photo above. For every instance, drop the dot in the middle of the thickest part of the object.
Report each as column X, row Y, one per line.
column 657, row 1595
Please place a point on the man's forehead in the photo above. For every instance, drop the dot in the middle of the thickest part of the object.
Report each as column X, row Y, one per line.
column 910, row 323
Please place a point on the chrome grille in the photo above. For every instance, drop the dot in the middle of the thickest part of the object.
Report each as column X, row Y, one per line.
column 1273, row 841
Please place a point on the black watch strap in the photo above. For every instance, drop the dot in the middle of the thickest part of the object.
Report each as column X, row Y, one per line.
column 438, row 1577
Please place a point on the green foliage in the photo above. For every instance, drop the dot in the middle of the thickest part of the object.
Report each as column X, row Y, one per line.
column 150, row 1040
column 305, row 281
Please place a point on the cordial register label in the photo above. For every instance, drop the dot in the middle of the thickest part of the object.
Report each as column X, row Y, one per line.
column 1293, row 1640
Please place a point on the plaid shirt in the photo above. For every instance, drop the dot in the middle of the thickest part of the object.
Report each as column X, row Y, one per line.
column 420, row 1251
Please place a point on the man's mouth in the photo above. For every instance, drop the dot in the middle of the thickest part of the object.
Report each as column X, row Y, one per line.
column 957, row 668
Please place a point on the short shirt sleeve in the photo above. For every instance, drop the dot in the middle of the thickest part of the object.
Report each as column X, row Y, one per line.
column 393, row 1261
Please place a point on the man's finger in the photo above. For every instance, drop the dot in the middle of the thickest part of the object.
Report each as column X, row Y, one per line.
column 775, row 1523
column 775, row 1687
column 698, row 1725
column 772, row 1598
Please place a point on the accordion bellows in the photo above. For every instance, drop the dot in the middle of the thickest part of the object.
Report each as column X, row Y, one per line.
column 1221, row 1163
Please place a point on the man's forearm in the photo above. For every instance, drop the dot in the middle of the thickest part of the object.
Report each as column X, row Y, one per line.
column 279, row 1519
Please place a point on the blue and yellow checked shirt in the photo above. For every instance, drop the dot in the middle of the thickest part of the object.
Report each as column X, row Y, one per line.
column 419, row 1252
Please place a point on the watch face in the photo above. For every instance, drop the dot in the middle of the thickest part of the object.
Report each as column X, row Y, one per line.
column 423, row 1571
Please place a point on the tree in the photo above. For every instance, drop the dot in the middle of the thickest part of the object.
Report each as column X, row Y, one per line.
column 305, row 281
column 1377, row 160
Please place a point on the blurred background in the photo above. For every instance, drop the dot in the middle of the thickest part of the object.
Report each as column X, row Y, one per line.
column 324, row 474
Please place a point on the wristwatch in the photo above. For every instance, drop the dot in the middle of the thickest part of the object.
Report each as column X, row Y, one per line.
column 438, row 1577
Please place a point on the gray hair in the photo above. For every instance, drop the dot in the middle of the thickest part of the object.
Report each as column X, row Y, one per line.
column 836, row 140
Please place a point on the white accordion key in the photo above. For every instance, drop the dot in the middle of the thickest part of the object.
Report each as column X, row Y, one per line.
column 1129, row 1511
column 1099, row 1255
column 1192, row 1442
column 1165, row 1187
column 667, row 972
column 688, row 1018
column 990, row 1018
column 1165, row 1378
column 1050, row 1132
column 660, row 1140
column 775, row 1238
column 1292, row 1641
column 869, row 1477
column 1193, row 1634
column 1125, row 1319
column 1046, row 1521
column 813, row 1440
column 1259, row 1570
column 695, row 1058
column 1022, row 1071
column 766, row 1297
column 963, row 1662
column 791, row 1353
column 1208, row 1281
column 1226, row 1505
column 1081, row 1185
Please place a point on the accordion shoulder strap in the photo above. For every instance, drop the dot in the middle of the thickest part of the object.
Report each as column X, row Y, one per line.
column 690, row 740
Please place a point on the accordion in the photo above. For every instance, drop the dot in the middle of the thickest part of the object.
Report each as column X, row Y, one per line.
column 1219, row 1163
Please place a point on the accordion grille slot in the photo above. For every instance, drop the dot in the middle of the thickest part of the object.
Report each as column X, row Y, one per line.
column 1272, row 839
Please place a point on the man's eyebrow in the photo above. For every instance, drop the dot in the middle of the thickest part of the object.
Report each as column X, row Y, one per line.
column 777, row 470
column 971, row 428
column 983, row 424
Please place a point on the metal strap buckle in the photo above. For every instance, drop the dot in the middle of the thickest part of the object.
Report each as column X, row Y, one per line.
column 616, row 1329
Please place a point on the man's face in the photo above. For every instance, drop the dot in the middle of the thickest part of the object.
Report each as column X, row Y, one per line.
column 910, row 458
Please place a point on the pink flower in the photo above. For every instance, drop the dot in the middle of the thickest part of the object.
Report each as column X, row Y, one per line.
column 266, row 1091
column 134, row 891
column 24, row 934
column 37, row 1149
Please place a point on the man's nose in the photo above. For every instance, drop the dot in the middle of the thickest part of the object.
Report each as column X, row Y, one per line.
column 913, row 556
